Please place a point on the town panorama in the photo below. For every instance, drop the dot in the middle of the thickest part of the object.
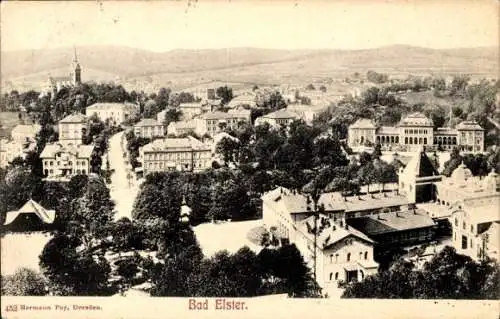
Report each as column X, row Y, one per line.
column 369, row 183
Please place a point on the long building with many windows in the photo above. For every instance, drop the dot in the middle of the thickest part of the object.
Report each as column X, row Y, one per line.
column 169, row 154
column 417, row 130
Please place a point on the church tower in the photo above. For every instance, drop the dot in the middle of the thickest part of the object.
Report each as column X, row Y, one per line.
column 76, row 71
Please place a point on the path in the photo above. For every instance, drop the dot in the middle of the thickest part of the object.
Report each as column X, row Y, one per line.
column 122, row 191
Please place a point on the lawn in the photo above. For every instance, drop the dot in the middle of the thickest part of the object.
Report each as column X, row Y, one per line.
column 230, row 236
column 22, row 250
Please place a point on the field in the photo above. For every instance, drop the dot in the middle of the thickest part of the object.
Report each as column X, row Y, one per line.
column 428, row 98
column 239, row 67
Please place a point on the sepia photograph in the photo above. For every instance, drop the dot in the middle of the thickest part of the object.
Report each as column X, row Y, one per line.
column 242, row 159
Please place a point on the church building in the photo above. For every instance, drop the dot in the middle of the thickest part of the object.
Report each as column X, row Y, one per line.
column 74, row 78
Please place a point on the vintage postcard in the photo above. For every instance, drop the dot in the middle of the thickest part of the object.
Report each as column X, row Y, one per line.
column 250, row 159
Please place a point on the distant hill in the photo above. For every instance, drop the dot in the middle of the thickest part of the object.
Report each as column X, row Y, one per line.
column 129, row 65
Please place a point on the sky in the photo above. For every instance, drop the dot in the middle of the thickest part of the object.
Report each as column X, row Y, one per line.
column 165, row 25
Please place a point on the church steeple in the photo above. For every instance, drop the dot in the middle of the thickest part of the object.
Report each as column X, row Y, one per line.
column 76, row 70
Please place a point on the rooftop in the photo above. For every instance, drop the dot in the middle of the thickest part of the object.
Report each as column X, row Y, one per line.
column 333, row 201
column 227, row 115
column 80, row 151
column 166, row 144
column 420, row 166
column 483, row 214
column 469, row 125
column 190, row 105
column 74, row 118
column 31, row 207
column 363, row 123
column 388, row 130
column 148, row 122
column 281, row 114
column 416, row 119
column 112, row 106
column 332, row 234
column 385, row 223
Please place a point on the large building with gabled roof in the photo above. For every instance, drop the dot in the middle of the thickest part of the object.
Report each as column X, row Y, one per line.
column 414, row 131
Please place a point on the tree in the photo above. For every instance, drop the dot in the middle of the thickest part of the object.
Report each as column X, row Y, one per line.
column 94, row 211
column 72, row 273
column 24, row 282
column 172, row 115
column 159, row 196
column 377, row 151
column 447, row 275
column 225, row 93
column 322, row 88
column 228, row 148
column 454, row 161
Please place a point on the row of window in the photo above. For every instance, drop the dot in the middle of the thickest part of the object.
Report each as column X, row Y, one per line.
column 414, row 140
column 335, row 258
column 159, row 165
column 78, row 163
column 415, row 131
column 78, row 172
column 175, row 156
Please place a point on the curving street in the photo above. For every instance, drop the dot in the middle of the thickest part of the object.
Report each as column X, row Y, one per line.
column 122, row 189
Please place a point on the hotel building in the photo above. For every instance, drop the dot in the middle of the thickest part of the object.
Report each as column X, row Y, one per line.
column 417, row 130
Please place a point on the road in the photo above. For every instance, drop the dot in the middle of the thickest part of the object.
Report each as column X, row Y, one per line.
column 122, row 191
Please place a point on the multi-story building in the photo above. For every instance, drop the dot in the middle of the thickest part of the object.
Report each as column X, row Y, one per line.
column 190, row 110
column 196, row 126
column 278, row 118
column 414, row 131
column 308, row 112
column 340, row 254
column 245, row 99
column 116, row 113
column 471, row 204
column 217, row 121
column 470, row 136
column 475, row 229
column 149, row 128
column 182, row 154
column 63, row 161
column 72, row 129
column 21, row 142
column 463, row 186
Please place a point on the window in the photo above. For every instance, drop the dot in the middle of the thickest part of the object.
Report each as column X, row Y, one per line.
column 336, row 257
column 360, row 255
column 331, row 260
column 348, row 256
column 366, row 255
column 331, row 276
column 464, row 226
column 336, row 276
column 464, row 242
column 456, row 221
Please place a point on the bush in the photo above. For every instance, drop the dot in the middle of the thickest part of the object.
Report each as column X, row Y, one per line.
column 24, row 282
